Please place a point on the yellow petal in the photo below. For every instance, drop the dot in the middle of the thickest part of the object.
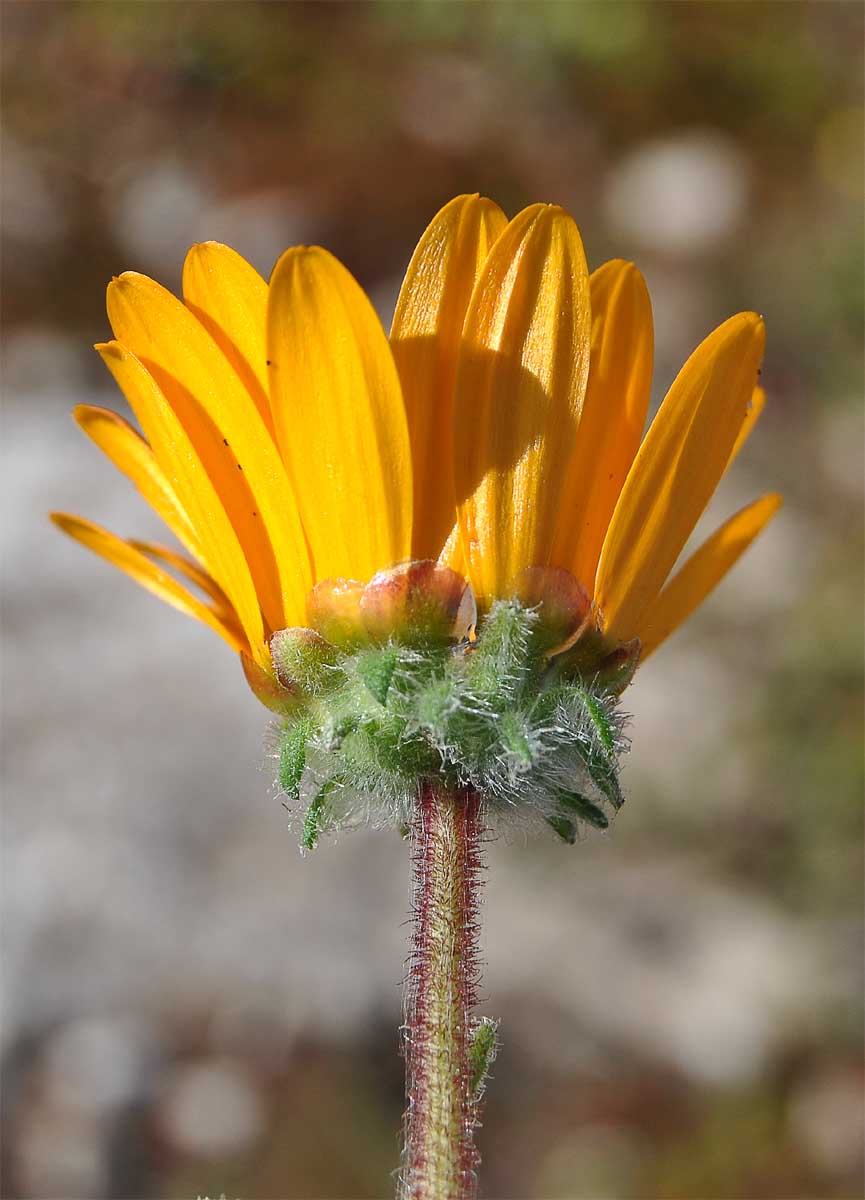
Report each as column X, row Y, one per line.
column 703, row 571
column 129, row 452
column 425, row 339
column 613, row 415
column 227, row 431
column 229, row 297
column 193, row 572
column 520, row 384
column 135, row 564
column 758, row 403
column 339, row 416
column 221, row 551
column 676, row 471
column 451, row 554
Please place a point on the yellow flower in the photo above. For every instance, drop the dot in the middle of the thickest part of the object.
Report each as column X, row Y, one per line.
column 287, row 442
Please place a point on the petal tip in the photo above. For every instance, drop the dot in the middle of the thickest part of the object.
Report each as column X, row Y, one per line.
column 82, row 413
column 65, row 522
column 112, row 349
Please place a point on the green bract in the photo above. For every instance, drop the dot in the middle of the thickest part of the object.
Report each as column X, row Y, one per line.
column 532, row 736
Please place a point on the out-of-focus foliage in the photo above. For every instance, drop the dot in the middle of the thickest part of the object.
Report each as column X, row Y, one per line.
column 191, row 1008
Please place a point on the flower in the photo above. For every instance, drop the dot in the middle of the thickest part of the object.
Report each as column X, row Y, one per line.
column 297, row 453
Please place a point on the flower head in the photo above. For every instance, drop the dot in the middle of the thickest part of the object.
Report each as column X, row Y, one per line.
column 289, row 443
column 337, row 488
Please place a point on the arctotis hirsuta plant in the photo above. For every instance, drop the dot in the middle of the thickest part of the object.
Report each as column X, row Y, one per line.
column 441, row 555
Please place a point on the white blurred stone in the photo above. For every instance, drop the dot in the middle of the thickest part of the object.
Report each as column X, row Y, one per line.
column 155, row 214
column 95, row 1064
column 679, row 194
column 658, row 958
column 211, row 1109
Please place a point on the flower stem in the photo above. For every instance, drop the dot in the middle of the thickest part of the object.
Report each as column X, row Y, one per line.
column 439, row 1157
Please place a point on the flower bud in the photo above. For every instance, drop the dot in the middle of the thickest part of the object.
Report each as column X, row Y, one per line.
column 333, row 608
column 416, row 600
column 303, row 660
column 562, row 602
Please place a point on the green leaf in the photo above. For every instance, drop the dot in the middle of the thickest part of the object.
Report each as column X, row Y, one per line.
column 564, row 827
column 503, row 654
column 600, row 721
column 434, row 703
column 292, row 756
column 515, row 740
column 584, row 808
column 375, row 670
column 315, row 821
column 600, row 759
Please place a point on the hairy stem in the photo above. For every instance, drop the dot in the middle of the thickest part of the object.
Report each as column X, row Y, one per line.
column 439, row 1158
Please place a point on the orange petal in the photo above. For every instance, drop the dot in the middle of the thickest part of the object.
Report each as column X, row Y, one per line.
column 265, row 686
column 334, row 611
column 199, row 381
column 425, row 340
column 676, row 471
column 221, row 551
column 339, row 416
column 193, row 572
column 130, row 453
column 613, row 415
column 140, row 568
column 703, row 571
column 755, row 408
column 231, row 481
column 229, row 297
column 520, row 384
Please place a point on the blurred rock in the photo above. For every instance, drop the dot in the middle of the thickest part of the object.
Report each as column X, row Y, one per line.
column 155, row 215
column 681, row 194
column 97, row 1063
column 659, row 959
column 211, row 1109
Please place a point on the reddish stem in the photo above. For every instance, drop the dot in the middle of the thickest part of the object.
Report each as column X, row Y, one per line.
column 440, row 1160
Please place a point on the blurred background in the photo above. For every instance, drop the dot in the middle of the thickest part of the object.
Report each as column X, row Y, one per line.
column 191, row 1007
